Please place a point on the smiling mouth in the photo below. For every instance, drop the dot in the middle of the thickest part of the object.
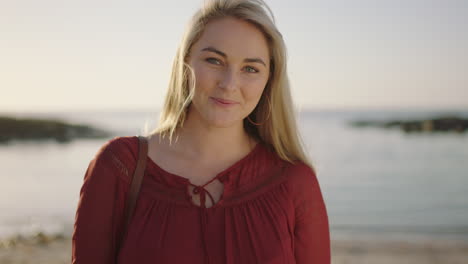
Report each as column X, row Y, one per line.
column 223, row 101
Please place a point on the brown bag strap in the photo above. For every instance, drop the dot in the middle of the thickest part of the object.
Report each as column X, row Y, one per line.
column 135, row 186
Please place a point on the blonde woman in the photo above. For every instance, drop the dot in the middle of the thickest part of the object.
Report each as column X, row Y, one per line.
column 227, row 179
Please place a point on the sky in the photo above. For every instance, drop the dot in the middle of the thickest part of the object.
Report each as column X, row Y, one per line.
column 92, row 54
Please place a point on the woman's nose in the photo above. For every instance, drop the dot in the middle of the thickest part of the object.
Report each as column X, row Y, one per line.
column 229, row 80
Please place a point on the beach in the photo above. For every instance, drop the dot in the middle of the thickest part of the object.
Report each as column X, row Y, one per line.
column 392, row 201
column 56, row 249
column 399, row 252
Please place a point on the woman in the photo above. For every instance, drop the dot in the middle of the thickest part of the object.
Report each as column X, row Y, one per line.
column 227, row 180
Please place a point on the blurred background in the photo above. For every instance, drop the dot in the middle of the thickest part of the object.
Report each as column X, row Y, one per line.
column 107, row 65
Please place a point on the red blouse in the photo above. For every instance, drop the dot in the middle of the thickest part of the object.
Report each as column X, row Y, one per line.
column 270, row 212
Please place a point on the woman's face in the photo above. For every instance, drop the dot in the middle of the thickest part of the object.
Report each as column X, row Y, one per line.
column 231, row 62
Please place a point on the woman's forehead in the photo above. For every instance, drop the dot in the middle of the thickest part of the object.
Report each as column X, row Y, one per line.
column 235, row 38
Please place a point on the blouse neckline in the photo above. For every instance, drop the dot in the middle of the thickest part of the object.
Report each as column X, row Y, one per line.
column 219, row 176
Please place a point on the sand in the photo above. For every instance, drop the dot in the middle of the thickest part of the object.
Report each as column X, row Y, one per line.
column 42, row 249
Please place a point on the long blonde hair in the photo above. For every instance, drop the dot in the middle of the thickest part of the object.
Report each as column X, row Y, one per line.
column 278, row 128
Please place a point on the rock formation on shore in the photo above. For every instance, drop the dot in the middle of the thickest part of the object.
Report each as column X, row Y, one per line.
column 439, row 124
column 12, row 128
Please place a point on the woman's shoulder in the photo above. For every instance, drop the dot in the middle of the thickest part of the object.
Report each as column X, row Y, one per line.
column 123, row 146
column 301, row 178
column 119, row 154
column 296, row 173
column 300, row 169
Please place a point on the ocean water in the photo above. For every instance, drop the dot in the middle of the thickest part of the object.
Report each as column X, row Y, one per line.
column 376, row 183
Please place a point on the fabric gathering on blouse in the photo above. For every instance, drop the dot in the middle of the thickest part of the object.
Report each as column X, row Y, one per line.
column 270, row 212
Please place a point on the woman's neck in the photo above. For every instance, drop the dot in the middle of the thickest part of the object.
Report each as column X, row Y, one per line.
column 199, row 140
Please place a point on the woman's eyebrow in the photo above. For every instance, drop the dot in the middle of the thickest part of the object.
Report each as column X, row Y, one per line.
column 215, row 51
column 257, row 60
column 222, row 54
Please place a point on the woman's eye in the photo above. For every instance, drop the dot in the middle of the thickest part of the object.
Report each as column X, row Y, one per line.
column 213, row 61
column 251, row 69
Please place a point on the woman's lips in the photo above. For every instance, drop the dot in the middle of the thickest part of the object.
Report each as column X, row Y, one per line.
column 223, row 102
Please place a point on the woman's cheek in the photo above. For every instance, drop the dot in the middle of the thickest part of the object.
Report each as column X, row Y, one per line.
column 255, row 88
column 206, row 75
column 201, row 78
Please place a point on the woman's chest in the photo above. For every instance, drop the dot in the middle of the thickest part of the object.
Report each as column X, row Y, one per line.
column 257, row 231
